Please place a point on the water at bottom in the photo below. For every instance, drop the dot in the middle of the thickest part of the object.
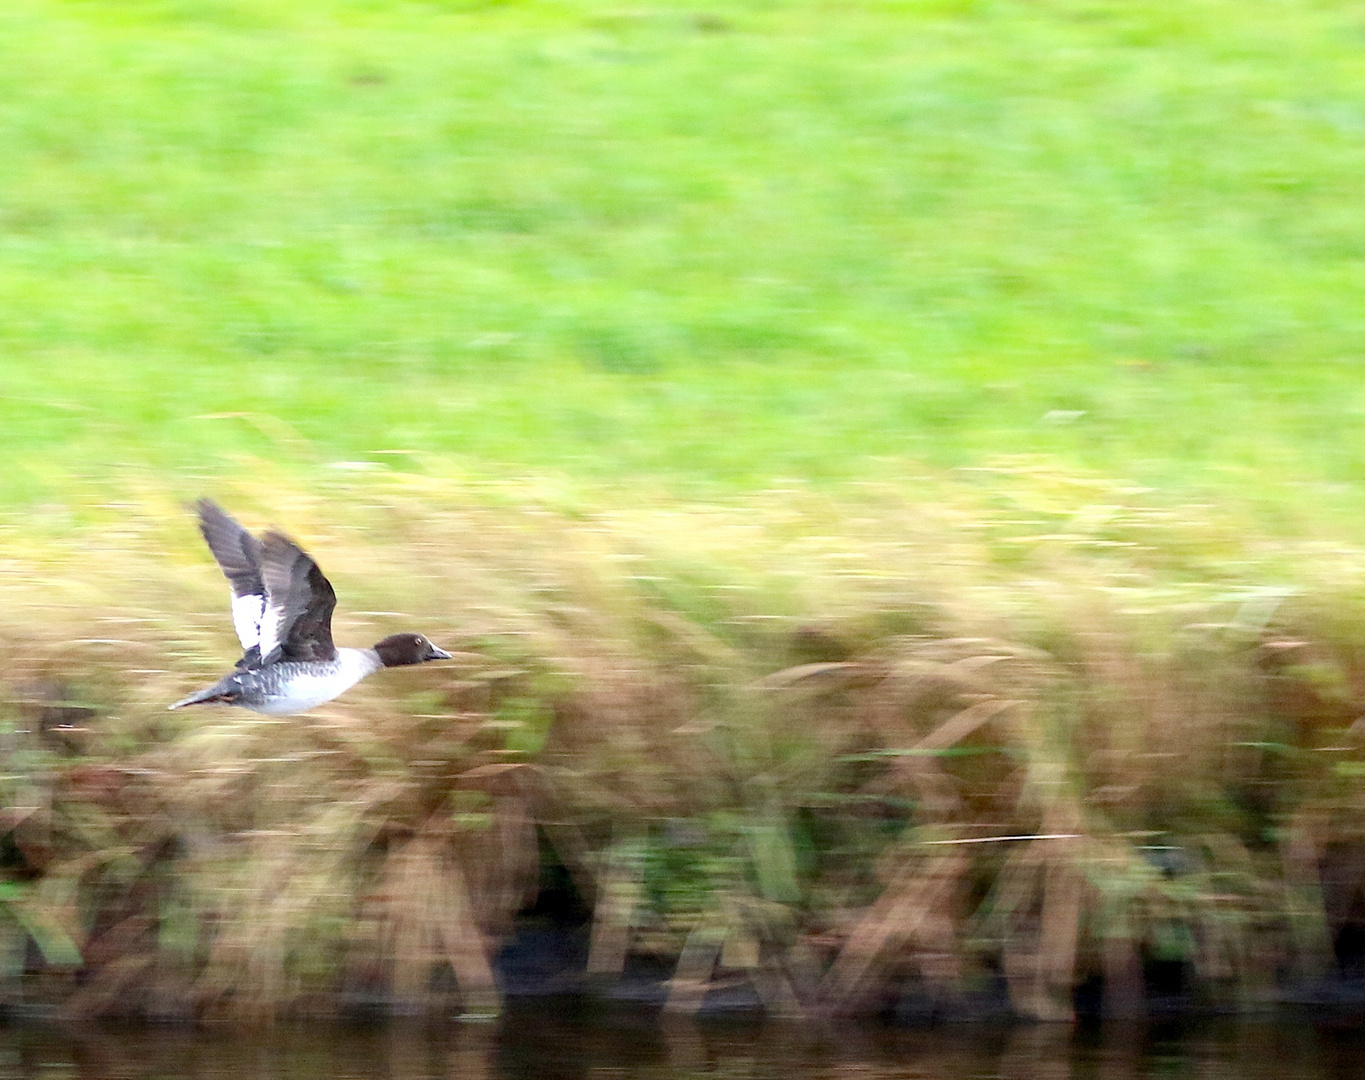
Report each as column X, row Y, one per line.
column 568, row 1042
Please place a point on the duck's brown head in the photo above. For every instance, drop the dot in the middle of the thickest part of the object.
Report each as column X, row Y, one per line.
column 399, row 650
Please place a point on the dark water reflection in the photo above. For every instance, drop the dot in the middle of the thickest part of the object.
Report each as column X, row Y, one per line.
column 560, row 1044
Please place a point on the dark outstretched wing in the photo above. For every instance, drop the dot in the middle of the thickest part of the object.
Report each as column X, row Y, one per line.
column 239, row 556
column 298, row 603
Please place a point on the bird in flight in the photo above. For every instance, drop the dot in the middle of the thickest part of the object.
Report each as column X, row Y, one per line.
column 282, row 612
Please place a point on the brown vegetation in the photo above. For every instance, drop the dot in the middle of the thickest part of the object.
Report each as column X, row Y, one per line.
column 826, row 752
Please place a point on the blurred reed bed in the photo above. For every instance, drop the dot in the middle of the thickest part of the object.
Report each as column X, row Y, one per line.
column 1045, row 733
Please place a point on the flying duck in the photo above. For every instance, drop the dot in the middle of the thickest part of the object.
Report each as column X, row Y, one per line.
column 282, row 612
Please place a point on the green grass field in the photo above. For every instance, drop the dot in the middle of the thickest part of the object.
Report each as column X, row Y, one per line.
column 691, row 249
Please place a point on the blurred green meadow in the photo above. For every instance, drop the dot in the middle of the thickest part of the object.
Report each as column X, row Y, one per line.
column 690, row 248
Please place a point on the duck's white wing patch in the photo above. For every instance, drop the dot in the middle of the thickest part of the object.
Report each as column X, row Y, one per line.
column 246, row 619
column 272, row 620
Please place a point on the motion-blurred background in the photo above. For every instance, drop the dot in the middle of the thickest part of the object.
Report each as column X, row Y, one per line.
column 835, row 436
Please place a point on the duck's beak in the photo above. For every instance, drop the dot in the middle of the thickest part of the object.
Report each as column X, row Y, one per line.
column 437, row 654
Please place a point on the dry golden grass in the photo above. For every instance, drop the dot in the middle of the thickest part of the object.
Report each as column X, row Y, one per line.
column 785, row 741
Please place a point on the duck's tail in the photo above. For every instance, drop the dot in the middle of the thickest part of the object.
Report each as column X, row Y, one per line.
column 204, row 696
